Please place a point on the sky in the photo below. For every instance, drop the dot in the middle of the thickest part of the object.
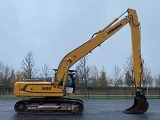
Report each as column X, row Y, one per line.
column 52, row 28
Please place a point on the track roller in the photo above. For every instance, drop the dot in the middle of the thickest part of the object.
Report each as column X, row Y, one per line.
column 140, row 104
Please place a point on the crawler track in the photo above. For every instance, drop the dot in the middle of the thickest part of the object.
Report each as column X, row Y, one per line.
column 49, row 106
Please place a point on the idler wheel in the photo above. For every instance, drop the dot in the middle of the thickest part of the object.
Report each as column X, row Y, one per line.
column 20, row 107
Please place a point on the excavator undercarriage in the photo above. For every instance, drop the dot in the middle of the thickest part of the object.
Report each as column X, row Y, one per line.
column 49, row 106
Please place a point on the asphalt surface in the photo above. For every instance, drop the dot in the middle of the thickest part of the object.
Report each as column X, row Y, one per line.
column 95, row 109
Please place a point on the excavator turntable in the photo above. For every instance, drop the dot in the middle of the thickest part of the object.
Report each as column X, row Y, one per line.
column 54, row 97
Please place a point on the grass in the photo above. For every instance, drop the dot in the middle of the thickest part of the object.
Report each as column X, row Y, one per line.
column 9, row 97
column 12, row 97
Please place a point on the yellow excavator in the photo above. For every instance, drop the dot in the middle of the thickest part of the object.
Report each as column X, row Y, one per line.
column 51, row 97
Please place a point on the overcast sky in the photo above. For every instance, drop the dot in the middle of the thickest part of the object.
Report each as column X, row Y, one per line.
column 52, row 28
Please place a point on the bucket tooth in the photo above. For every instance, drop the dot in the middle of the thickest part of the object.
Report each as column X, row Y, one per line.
column 140, row 105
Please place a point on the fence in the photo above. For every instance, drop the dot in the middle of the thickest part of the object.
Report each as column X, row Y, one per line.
column 109, row 92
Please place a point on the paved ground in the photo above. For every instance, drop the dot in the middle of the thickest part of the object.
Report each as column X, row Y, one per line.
column 100, row 109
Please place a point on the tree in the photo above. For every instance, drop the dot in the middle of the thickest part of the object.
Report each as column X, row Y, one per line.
column 1, row 72
column 157, row 80
column 46, row 71
column 12, row 78
column 103, row 79
column 83, row 73
column 128, row 79
column 128, row 70
column 94, row 76
column 19, row 76
column 5, row 78
column 148, row 79
column 28, row 66
column 129, row 64
column 1, row 77
column 117, row 77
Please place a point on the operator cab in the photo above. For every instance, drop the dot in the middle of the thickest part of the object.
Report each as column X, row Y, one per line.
column 70, row 85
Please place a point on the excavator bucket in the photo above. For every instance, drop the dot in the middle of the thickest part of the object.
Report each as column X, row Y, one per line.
column 140, row 105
